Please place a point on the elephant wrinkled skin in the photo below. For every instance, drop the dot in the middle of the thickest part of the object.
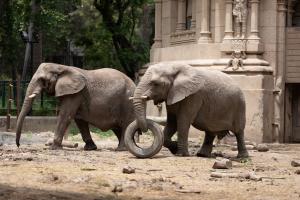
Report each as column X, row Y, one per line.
column 207, row 99
column 98, row 97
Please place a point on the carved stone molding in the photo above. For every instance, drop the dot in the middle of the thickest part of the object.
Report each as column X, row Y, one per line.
column 183, row 37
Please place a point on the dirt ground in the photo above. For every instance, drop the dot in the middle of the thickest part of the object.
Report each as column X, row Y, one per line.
column 34, row 172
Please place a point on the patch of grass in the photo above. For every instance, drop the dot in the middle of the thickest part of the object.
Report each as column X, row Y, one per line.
column 246, row 161
column 102, row 134
column 29, row 135
column 73, row 130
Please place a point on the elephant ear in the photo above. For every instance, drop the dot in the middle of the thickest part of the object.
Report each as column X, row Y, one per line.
column 187, row 82
column 69, row 82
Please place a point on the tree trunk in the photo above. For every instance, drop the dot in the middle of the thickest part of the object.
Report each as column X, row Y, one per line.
column 28, row 51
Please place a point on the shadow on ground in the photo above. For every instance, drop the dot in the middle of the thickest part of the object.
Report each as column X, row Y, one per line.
column 23, row 193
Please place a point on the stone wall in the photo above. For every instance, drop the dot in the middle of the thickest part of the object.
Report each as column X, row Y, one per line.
column 31, row 124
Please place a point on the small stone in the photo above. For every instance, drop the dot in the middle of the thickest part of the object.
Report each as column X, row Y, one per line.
column 254, row 177
column 297, row 172
column 262, row 148
column 295, row 163
column 128, row 170
column 117, row 188
column 29, row 159
column 223, row 164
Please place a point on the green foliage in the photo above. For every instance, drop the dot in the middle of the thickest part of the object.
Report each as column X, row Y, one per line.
column 108, row 31
column 73, row 130
column 102, row 134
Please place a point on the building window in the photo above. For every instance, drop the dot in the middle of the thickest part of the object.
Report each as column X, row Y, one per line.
column 189, row 14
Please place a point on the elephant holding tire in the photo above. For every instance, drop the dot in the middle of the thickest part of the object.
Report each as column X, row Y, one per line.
column 98, row 97
column 207, row 99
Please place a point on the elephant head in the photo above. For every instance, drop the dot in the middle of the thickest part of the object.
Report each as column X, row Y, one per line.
column 55, row 79
column 165, row 82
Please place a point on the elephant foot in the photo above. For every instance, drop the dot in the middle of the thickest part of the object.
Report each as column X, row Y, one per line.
column 121, row 148
column 182, row 153
column 172, row 146
column 243, row 154
column 90, row 146
column 205, row 152
column 55, row 147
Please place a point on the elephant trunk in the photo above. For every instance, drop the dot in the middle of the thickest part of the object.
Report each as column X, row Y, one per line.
column 140, row 102
column 33, row 89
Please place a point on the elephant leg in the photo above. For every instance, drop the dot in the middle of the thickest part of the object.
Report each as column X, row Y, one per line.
column 120, row 135
column 169, row 131
column 207, row 145
column 83, row 126
column 68, row 109
column 183, row 126
column 242, row 151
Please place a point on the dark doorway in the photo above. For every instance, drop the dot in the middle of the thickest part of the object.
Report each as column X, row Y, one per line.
column 295, row 136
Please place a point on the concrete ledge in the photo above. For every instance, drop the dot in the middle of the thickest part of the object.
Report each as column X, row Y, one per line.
column 33, row 124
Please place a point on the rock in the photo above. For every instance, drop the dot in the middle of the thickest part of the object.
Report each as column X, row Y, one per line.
column 248, row 147
column 262, row 148
column 295, row 163
column 128, row 170
column 117, row 188
column 297, row 171
column 254, row 177
column 29, row 159
column 222, row 164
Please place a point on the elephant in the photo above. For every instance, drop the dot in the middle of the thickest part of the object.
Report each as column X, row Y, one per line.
column 98, row 97
column 207, row 99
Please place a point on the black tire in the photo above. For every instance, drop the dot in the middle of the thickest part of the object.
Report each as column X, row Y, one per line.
column 144, row 152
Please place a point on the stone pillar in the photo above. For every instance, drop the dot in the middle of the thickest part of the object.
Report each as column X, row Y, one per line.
column 181, row 15
column 219, row 23
column 158, row 24
column 278, row 123
column 254, row 5
column 205, row 34
column 193, row 23
column 228, row 20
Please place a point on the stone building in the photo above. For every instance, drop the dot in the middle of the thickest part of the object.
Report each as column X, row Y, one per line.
column 257, row 42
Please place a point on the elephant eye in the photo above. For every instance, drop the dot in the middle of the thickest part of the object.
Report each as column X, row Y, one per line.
column 155, row 83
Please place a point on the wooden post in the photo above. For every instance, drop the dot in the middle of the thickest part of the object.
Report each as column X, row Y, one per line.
column 9, row 103
column 18, row 94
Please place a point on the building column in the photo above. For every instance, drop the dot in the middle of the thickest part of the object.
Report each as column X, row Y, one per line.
column 279, row 87
column 219, row 23
column 254, row 5
column 228, row 20
column 181, row 15
column 193, row 23
column 158, row 24
column 205, row 34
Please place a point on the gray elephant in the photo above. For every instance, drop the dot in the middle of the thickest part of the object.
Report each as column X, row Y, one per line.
column 98, row 97
column 207, row 99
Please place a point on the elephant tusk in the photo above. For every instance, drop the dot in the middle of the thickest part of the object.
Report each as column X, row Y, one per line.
column 32, row 96
column 142, row 97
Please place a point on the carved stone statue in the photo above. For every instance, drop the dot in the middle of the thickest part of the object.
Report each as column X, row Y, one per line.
column 240, row 18
column 236, row 61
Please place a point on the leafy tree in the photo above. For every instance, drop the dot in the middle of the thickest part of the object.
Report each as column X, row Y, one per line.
column 120, row 18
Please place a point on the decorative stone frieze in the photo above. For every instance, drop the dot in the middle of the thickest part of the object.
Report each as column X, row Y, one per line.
column 188, row 36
